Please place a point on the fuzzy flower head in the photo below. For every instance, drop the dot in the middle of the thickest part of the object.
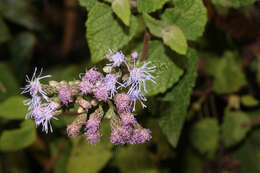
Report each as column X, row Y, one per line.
column 65, row 94
column 42, row 115
column 134, row 55
column 101, row 93
column 86, row 86
column 34, row 86
column 116, row 59
column 141, row 135
column 110, row 81
column 120, row 135
column 122, row 101
column 137, row 95
column 93, row 138
column 92, row 75
column 127, row 118
column 93, row 124
column 138, row 77
column 32, row 103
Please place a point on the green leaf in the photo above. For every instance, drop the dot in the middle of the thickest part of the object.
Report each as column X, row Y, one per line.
column 249, row 153
column 249, row 101
column 5, row 34
column 175, row 39
column 227, row 74
column 173, row 118
column 88, row 4
column 166, row 72
column 105, row 32
column 155, row 26
column 190, row 16
column 232, row 128
column 13, row 108
column 148, row 6
column 204, row 135
column 233, row 3
column 8, row 84
column 13, row 140
column 90, row 158
column 171, row 34
column 122, row 10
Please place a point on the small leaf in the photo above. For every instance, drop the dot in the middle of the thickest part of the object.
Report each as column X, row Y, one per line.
column 105, row 32
column 148, row 6
column 13, row 140
column 249, row 101
column 232, row 128
column 13, row 108
column 189, row 15
column 90, row 158
column 155, row 26
column 88, row 4
column 122, row 10
column 228, row 76
column 173, row 117
column 204, row 135
column 175, row 39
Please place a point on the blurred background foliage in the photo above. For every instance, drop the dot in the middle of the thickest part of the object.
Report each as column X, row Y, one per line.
column 204, row 115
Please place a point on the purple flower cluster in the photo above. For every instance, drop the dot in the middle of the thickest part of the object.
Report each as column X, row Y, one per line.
column 92, row 90
column 128, row 130
column 41, row 112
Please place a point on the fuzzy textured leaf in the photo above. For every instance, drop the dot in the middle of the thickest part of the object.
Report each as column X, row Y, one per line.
column 166, row 72
column 148, row 6
column 228, row 77
column 13, row 108
column 204, row 135
column 190, row 16
column 105, row 32
column 122, row 10
column 13, row 140
column 155, row 26
column 88, row 4
column 175, row 39
column 173, row 118
column 232, row 128
column 249, row 101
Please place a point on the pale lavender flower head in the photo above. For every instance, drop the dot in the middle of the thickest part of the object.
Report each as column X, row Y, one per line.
column 127, row 118
column 137, row 95
column 34, row 86
column 138, row 77
column 120, row 135
column 92, row 75
column 101, row 93
column 65, row 94
column 42, row 115
column 141, row 135
column 110, row 81
column 93, row 124
column 93, row 138
column 134, row 55
column 117, row 59
column 86, row 86
column 32, row 103
column 122, row 101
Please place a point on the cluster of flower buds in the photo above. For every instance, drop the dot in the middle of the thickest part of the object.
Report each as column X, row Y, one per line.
column 89, row 94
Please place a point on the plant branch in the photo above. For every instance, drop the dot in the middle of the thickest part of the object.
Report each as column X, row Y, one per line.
column 145, row 46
